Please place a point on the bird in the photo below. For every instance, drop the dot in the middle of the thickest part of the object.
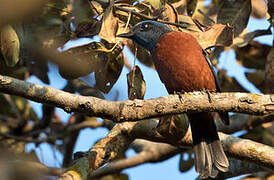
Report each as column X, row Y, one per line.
column 182, row 66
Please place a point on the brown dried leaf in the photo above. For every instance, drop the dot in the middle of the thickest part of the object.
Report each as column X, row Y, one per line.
column 79, row 61
column 156, row 4
column 257, row 78
column 206, row 14
column 186, row 164
column 88, row 28
column 173, row 127
column 123, row 16
column 269, row 68
column 109, row 25
column 18, row 71
column 110, row 68
column 170, row 14
column 245, row 37
column 136, row 84
column 253, row 55
column 229, row 84
column 81, row 11
column 217, row 35
column 180, row 6
column 259, row 9
column 191, row 6
column 235, row 13
column 173, row 1
column 10, row 45
column 191, row 27
column 96, row 7
column 73, row 63
column 270, row 10
column 40, row 69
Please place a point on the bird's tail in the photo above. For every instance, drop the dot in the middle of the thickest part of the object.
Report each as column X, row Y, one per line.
column 209, row 154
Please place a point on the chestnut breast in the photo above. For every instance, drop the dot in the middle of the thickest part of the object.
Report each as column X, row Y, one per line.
column 181, row 65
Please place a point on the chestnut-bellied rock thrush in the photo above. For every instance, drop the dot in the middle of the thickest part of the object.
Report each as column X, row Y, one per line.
column 183, row 67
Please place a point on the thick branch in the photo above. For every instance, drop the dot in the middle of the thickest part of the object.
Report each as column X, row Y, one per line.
column 140, row 109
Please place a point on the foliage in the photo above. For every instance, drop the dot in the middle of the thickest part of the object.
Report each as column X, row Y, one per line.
column 32, row 33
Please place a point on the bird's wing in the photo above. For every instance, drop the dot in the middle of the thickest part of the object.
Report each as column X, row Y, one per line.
column 218, row 87
column 223, row 115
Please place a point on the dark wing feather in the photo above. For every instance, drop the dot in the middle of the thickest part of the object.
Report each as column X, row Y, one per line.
column 223, row 115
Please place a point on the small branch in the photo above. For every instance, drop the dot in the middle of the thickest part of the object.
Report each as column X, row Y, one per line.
column 238, row 167
column 103, row 151
column 37, row 167
column 84, row 124
column 69, row 141
column 240, row 122
column 140, row 109
column 24, row 139
column 182, row 25
column 153, row 152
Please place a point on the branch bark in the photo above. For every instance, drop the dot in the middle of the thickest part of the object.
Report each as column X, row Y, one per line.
column 141, row 109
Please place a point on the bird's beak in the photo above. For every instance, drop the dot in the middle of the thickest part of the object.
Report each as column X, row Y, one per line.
column 129, row 35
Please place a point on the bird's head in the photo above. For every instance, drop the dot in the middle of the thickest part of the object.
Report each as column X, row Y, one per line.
column 147, row 33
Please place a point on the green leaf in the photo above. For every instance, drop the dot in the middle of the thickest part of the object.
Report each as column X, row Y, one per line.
column 10, row 45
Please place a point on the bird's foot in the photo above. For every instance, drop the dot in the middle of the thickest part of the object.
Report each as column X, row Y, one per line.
column 208, row 95
column 180, row 95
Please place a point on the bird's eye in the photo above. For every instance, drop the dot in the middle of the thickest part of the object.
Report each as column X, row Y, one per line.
column 145, row 27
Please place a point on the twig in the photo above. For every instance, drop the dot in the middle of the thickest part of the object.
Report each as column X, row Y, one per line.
column 243, row 121
column 24, row 139
column 156, row 152
column 182, row 25
column 37, row 167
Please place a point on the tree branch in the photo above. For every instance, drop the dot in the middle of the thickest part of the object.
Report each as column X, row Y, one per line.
column 140, row 109
column 153, row 152
column 103, row 151
column 123, row 134
column 37, row 167
column 237, row 168
column 240, row 122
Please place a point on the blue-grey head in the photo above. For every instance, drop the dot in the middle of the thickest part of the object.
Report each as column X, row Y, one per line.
column 147, row 33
